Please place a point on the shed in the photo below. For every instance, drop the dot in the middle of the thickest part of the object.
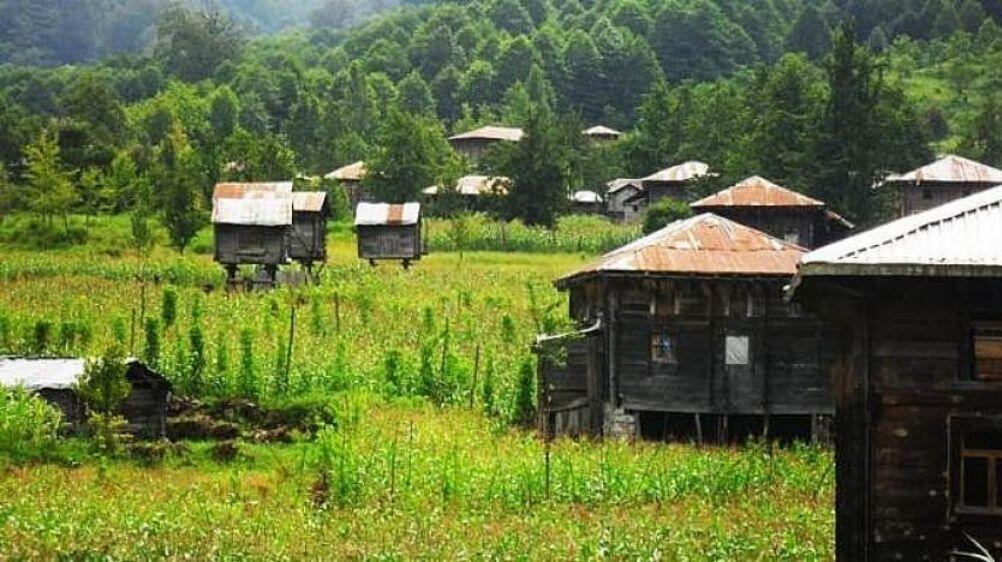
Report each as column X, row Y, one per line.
column 586, row 202
column 145, row 410
column 622, row 200
column 951, row 177
column 685, row 333
column 472, row 144
column 251, row 222
column 602, row 133
column 918, row 381
column 307, row 241
column 673, row 181
column 389, row 232
column 350, row 178
column 776, row 210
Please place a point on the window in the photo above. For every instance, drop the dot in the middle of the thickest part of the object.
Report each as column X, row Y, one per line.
column 663, row 348
column 736, row 350
column 987, row 347
column 981, row 472
column 927, row 194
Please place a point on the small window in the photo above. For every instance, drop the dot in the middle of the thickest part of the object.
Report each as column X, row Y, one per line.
column 987, row 344
column 736, row 350
column 927, row 194
column 981, row 472
column 663, row 348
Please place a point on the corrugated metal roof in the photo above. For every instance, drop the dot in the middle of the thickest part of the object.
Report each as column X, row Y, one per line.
column 42, row 374
column 602, row 131
column 620, row 183
column 757, row 192
column 704, row 244
column 308, row 201
column 513, row 134
column 352, row 172
column 475, row 185
column 682, row 172
column 589, row 197
column 384, row 214
column 243, row 190
column 960, row 238
column 951, row 169
column 253, row 211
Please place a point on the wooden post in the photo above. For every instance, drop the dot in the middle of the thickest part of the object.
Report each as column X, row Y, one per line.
column 699, row 429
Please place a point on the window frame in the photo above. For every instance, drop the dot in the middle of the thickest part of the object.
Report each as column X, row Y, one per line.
column 959, row 428
column 656, row 340
column 972, row 350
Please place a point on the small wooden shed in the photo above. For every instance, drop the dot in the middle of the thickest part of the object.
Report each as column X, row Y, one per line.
column 251, row 222
column 776, row 210
column 918, row 381
column 949, row 178
column 389, row 232
column 350, row 178
column 145, row 409
column 307, row 241
column 685, row 333
column 472, row 144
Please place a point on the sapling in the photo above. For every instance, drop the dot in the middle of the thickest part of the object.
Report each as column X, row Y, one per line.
column 102, row 388
column 151, row 351
column 168, row 308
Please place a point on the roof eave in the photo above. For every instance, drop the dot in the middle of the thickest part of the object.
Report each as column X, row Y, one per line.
column 827, row 269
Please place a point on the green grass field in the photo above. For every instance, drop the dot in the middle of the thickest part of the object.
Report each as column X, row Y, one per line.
column 420, row 370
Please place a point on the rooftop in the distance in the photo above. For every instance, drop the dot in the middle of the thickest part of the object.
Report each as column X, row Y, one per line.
column 757, row 192
column 491, row 132
column 682, row 172
column 950, row 169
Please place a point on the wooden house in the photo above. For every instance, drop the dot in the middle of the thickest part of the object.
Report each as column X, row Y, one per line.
column 251, row 222
column 586, row 202
column 917, row 382
column 389, row 232
column 673, row 182
column 473, row 144
column 601, row 133
column 783, row 213
column 145, row 409
column 350, row 179
column 307, row 239
column 474, row 190
column 685, row 333
column 622, row 202
column 945, row 180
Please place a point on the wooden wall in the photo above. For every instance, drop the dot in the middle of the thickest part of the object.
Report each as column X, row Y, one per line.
column 308, row 237
column 239, row 244
column 916, row 198
column 389, row 242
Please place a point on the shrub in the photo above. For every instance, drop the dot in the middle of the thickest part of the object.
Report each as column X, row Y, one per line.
column 665, row 212
column 28, row 424
column 103, row 387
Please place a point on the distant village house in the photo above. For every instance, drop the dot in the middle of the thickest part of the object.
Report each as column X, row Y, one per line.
column 945, row 180
column 350, row 178
column 473, row 144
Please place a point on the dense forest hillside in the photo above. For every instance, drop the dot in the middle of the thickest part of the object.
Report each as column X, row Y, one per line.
column 749, row 87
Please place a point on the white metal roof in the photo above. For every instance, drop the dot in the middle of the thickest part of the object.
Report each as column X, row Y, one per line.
column 264, row 211
column 381, row 214
column 961, row 238
column 475, row 185
column 37, row 374
column 585, row 197
column 601, row 131
column 682, row 172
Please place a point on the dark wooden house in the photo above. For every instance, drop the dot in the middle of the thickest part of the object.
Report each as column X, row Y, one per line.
column 472, row 144
column 145, row 409
column 686, row 333
column 622, row 201
column 389, row 232
column 350, row 179
column 783, row 213
column 918, row 381
column 307, row 240
column 251, row 222
column 949, row 178
column 673, row 182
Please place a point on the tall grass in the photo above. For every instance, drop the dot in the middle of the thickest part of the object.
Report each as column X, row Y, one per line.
column 573, row 234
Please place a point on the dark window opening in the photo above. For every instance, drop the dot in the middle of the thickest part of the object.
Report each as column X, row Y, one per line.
column 927, row 194
column 987, row 348
column 981, row 472
column 663, row 348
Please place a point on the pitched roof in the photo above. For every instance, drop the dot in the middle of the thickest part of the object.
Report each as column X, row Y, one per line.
column 585, row 197
column 475, row 185
column 252, row 204
column 950, row 169
column 42, row 374
column 602, row 131
column 386, row 214
column 682, row 172
column 757, row 192
column 491, row 132
column 705, row 244
column 308, row 201
column 352, row 172
column 960, row 238
column 621, row 183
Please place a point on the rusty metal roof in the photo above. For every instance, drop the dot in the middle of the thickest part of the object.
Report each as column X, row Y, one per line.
column 602, row 131
column 682, row 172
column 513, row 134
column 950, row 169
column 757, row 192
column 248, row 190
column 960, row 238
column 706, row 244
column 385, row 214
column 352, row 172
column 308, row 201
column 475, row 185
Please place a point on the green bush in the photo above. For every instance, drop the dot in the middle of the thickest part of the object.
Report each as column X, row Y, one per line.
column 665, row 212
column 28, row 424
